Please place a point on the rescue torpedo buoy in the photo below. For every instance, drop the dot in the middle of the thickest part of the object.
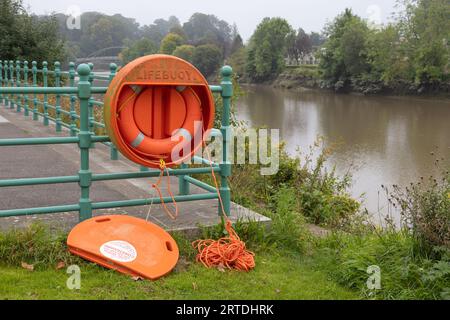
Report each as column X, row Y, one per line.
column 126, row 244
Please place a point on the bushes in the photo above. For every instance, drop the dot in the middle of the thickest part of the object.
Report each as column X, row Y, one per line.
column 425, row 210
column 321, row 196
column 288, row 227
column 404, row 275
column 415, row 260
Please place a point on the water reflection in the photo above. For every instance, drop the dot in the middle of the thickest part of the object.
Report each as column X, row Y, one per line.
column 389, row 138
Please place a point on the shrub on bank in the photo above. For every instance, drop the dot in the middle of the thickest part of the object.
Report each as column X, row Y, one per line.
column 403, row 273
column 321, row 196
column 415, row 260
column 425, row 210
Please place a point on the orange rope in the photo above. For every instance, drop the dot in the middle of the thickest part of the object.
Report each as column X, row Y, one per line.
column 156, row 186
column 228, row 252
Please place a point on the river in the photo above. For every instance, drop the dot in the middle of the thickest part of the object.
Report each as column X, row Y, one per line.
column 383, row 140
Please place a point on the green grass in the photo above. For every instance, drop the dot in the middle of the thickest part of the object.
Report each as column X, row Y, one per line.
column 278, row 275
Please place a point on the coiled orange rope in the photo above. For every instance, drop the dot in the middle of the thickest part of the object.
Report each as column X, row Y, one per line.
column 228, row 252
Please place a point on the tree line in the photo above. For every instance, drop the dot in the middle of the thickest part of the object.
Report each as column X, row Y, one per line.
column 352, row 54
column 204, row 39
column 412, row 52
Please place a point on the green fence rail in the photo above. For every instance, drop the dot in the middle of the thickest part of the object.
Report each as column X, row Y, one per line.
column 20, row 90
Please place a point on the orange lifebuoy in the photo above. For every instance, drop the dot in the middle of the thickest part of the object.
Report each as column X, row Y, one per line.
column 156, row 108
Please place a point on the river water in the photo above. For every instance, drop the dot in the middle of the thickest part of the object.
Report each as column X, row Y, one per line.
column 383, row 140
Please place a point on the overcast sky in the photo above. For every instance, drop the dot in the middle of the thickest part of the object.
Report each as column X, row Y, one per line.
column 311, row 15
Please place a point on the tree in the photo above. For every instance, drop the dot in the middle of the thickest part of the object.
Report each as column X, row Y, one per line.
column 237, row 42
column 179, row 31
column 138, row 49
column 344, row 55
column 317, row 40
column 304, row 43
column 266, row 50
column 99, row 31
column 291, row 47
column 238, row 61
column 207, row 58
column 159, row 29
column 170, row 43
column 424, row 26
column 100, row 34
column 386, row 56
column 298, row 45
column 208, row 29
column 185, row 52
column 27, row 37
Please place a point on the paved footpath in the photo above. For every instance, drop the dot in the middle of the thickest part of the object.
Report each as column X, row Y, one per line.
column 62, row 160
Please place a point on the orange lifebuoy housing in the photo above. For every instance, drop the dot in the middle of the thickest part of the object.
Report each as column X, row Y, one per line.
column 158, row 107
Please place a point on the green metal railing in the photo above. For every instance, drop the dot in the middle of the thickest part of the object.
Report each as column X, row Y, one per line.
column 19, row 91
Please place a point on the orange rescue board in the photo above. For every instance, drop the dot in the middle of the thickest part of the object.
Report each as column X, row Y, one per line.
column 126, row 244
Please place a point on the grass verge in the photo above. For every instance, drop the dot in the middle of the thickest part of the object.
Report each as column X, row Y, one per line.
column 280, row 274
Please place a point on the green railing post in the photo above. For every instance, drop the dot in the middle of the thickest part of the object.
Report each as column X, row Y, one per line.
column 25, row 84
column 73, row 98
column 11, row 75
column 1, row 80
column 91, row 102
column 7, row 97
column 45, row 75
column 85, row 136
column 225, row 165
column 183, row 184
column 5, row 82
column 19, row 96
column 58, row 97
column 112, row 74
column 35, row 100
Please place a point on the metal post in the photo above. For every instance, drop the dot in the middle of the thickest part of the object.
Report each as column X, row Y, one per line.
column 225, row 165
column 58, row 97
column 91, row 104
column 183, row 184
column 35, row 101
column 19, row 96
column 73, row 98
column 85, row 136
column 45, row 75
column 5, row 81
column 25, row 84
column 112, row 74
column 11, row 76
column 1, row 80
